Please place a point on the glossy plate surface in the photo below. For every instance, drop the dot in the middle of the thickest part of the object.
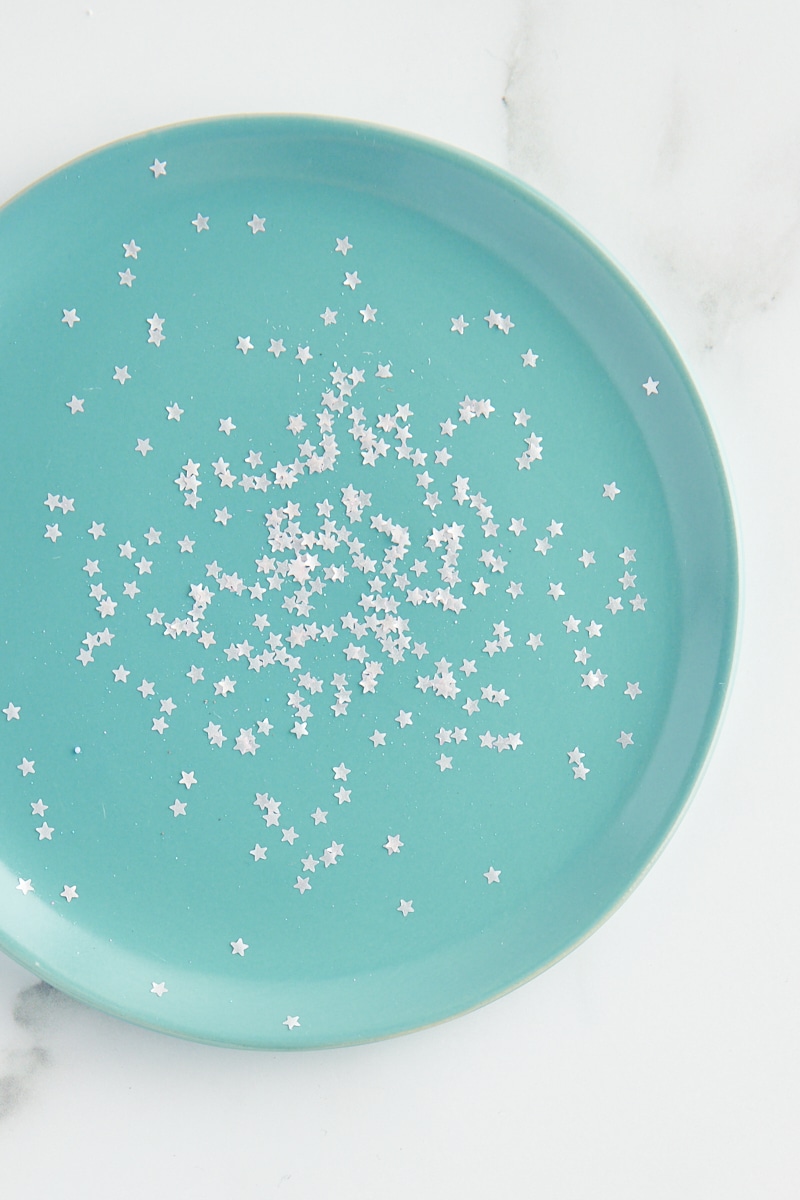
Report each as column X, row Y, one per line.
column 369, row 582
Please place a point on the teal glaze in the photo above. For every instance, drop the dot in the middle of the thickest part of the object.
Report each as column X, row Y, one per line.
column 435, row 234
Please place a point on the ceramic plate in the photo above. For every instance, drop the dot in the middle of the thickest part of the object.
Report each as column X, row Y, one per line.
column 369, row 582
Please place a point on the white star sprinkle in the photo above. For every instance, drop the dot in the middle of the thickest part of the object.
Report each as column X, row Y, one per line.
column 651, row 386
column 458, row 324
column 70, row 317
column 121, row 375
column 200, row 222
column 610, row 491
column 405, row 907
column 244, row 344
column 292, row 1022
column 239, row 947
column 158, row 168
column 69, row 893
column 156, row 333
column 492, row 876
column 257, row 223
column 159, row 989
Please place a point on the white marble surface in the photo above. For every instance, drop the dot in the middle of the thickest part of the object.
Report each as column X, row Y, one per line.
column 659, row 1059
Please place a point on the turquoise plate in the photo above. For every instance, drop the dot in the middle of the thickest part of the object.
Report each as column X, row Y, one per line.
column 369, row 586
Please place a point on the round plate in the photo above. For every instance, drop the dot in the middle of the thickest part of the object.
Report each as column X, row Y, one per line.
column 369, row 590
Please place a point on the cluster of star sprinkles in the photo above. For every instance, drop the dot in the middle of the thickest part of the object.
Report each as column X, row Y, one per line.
column 341, row 579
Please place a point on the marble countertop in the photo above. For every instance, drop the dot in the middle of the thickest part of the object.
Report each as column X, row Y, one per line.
column 657, row 1058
